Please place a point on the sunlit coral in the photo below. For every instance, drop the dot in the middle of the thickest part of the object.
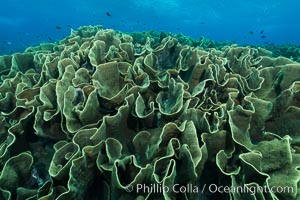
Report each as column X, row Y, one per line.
column 103, row 111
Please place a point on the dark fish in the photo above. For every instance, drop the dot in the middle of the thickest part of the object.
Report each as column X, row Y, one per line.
column 108, row 14
column 202, row 22
column 251, row 32
column 69, row 26
column 58, row 27
column 49, row 38
column 262, row 31
column 263, row 36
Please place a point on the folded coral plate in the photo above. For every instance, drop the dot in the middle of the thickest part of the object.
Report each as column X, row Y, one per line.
column 103, row 115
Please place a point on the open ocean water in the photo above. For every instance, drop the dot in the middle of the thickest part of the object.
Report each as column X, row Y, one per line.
column 150, row 100
column 28, row 23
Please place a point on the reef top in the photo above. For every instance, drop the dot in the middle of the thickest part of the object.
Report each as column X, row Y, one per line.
column 102, row 114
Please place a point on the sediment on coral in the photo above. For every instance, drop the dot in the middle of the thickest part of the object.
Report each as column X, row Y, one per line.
column 101, row 112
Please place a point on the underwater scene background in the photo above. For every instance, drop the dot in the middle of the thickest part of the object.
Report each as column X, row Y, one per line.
column 149, row 100
column 28, row 23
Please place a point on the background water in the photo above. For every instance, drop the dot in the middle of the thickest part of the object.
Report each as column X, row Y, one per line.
column 27, row 23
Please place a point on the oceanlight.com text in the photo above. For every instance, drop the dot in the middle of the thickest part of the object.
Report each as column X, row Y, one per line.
column 212, row 188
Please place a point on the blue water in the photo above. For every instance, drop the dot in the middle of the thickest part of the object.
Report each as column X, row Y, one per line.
column 27, row 23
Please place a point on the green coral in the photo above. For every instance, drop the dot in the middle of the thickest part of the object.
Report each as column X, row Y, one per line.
column 100, row 112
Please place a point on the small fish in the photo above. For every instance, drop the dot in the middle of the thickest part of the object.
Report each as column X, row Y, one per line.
column 58, row 27
column 108, row 14
column 202, row 23
column 251, row 32
column 262, row 31
column 7, row 42
column 263, row 36
column 49, row 38
column 69, row 26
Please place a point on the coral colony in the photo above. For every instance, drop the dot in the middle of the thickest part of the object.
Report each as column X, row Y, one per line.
column 106, row 115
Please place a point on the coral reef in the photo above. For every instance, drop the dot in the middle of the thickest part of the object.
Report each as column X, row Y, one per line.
column 100, row 112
